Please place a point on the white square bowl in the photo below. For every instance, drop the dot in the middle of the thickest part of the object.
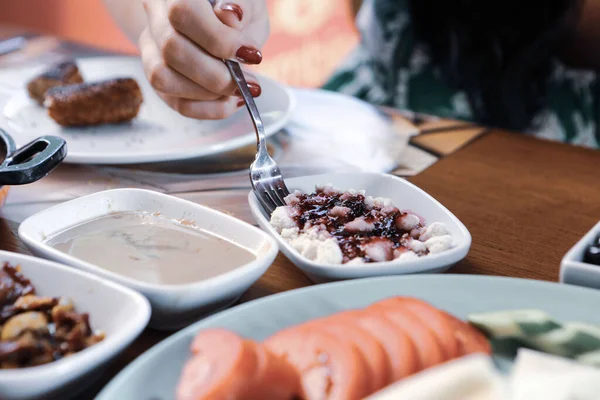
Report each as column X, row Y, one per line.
column 118, row 311
column 404, row 195
column 173, row 306
column 572, row 268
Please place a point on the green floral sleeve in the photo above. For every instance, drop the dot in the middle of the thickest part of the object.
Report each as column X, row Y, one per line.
column 390, row 68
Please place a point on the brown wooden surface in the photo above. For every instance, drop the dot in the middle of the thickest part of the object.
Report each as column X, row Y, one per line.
column 446, row 142
column 525, row 202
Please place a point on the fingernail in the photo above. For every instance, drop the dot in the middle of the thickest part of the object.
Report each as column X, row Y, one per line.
column 241, row 102
column 248, row 55
column 234, row 8
column 255, row 90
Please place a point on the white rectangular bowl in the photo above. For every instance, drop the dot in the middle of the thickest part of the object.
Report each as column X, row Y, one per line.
column 118, row 311
column 173, row 306
column 572, row 268
column 404, row 195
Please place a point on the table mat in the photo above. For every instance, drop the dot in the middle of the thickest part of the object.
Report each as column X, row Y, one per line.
column 444, row 143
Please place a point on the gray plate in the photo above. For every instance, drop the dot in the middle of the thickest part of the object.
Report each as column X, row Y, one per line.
column 154, row 375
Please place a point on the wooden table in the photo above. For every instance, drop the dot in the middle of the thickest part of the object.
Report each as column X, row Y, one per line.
column 525, row 202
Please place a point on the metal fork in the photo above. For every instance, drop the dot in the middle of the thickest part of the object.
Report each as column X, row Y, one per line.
column 265, row 176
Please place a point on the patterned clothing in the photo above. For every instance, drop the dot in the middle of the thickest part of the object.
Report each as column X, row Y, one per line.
column 390, row 68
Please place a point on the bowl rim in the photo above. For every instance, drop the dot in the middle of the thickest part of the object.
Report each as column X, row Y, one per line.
column 93, row 355
column 573, row 258
column 208, row 285
column 454, row 254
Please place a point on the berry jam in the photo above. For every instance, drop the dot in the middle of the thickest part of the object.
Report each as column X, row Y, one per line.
column 361, row 229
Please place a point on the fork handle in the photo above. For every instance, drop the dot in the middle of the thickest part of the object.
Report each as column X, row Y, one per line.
column 240, row 81
column 238, row 76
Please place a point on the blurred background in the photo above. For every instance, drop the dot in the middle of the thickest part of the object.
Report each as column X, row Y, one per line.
column 309, row 37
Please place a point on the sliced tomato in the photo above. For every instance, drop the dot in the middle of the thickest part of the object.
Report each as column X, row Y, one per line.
column 377, row 363
column 428, row 348
column 433, row 318
column 222, row 366
column 330, row 368
column 401, row 352
column 470, row 340
column 275, row 377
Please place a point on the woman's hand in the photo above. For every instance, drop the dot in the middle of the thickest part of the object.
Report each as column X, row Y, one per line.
column 183, row 46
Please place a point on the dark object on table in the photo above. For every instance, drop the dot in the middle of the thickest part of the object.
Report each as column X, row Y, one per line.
column 95, row 103
column 596, row 241
column 38, row 330
column 64, row 73
column 31, row 162
column 592, row 253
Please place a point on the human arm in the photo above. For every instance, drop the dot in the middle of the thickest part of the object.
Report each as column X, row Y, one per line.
column 129, row 16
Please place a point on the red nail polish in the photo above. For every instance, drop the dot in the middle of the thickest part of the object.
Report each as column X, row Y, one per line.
column 234, row 8
column 255, row 89
column 248, row 55
column 241, row 102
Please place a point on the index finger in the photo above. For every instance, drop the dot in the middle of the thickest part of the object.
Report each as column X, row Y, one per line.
column 196, row 19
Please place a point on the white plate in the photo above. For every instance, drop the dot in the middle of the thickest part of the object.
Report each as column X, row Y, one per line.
column 158, row 133
column 572, row 268
column 404, row 195
column 120, row 312
column 333, row 128
column 154, row 375
column 172, row 305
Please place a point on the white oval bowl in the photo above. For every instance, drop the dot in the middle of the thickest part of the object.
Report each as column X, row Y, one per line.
column 404, row 195
column 173, row 306
column 118, row 311
column 572, row 268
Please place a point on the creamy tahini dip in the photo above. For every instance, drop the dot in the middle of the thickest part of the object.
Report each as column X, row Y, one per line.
column 151, row 248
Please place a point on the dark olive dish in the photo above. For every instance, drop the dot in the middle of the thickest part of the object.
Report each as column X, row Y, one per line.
column 592, row 252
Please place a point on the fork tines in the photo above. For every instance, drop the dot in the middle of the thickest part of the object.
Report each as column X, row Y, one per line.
column 270, row 192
